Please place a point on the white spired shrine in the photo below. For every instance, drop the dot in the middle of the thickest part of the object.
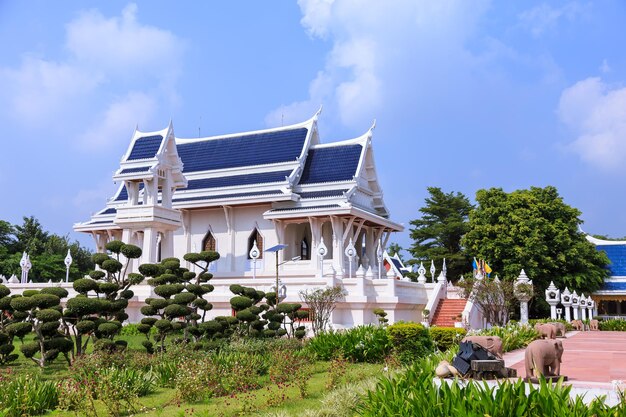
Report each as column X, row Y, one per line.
column 244, row 193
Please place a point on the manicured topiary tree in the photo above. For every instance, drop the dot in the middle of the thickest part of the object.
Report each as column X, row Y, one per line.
column 181, row 305
column 247, row 311
column 99, row 309
column 41, row 312
column 293, row 316
column 6, row 318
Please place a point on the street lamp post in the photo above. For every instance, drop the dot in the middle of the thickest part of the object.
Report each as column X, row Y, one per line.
column 379, row 254
column 322, row 250
column 68, row 262
column 276, row 249
column 350, row 253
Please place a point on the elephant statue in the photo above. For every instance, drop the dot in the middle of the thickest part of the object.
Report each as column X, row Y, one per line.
column 546, row 330
column 444, row 370
column 492, row 343
column 560, row 328
column 593, row 324
column 544, row 357
column 578, row 325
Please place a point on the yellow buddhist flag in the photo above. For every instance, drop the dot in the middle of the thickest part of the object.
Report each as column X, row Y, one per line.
column 487, row 269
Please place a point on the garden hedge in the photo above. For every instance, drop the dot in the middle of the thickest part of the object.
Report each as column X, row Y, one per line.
column 410, row 341
column 445, row 338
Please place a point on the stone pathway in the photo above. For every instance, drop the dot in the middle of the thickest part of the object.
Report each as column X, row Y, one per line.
column 592, row 362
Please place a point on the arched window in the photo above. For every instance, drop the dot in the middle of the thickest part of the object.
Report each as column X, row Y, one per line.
column 208, row 244
column 305, row 254
column 255, row 236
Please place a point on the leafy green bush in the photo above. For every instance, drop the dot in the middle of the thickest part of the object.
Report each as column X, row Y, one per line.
column 359, row 344
column 613, row 325
column 410, row 341
column 414, row 393
column 27, row 395
column 514, row 336
column 446, row 338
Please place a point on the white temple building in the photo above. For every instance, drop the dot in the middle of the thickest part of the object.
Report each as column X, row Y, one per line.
column 255, row 190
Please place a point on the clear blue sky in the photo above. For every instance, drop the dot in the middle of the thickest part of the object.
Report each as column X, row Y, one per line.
column 466, row 94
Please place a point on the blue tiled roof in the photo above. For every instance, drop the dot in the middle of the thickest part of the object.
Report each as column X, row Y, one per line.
column 324, row 193
column 109, row 211
column 614, row 286
column 305, row 208
column 234, row 180
column 146, row 147
column 123, row 195
column 133, row 170
column 617, row 256
column 236, row 195
column 244, row 150
column 336, row 163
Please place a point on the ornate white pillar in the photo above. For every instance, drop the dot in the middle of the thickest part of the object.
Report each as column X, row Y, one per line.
column 575, row 304
column 167, row 244
column 370, row 248
column 553, row 298
column 590, row 305
column 566, row 300
column 523, row 296
column 149, row 248
column 338, row 264
column 583, row 307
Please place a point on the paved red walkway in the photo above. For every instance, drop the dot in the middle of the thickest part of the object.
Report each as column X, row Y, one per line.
column 589, row 358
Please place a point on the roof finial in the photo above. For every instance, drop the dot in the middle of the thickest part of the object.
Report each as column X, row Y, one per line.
column 319, row 111
column 370, row 132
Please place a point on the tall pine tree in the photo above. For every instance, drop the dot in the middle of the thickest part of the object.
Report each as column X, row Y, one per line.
column 437, row 234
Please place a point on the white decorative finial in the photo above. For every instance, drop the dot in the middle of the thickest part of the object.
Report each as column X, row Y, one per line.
column 318, row 112
column 432, row 270
column 422, row 274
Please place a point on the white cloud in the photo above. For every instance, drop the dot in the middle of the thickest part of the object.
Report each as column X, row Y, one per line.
column 605, row 67
column 40, row 90
column 117, row 120
column 543, row 18
column 122, row 46
column 106, row 56
column 596, row 114
column 381, row 52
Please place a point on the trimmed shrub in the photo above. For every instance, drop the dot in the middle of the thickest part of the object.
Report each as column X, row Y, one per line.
column 446, row 338
column 613, row 325
column 239, row 303
column 84, row 285
column 410, row 341
column 82, row 306
column 23, row 303
column 58, row 291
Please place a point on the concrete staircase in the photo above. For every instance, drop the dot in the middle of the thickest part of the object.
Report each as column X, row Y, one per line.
column 447, row 312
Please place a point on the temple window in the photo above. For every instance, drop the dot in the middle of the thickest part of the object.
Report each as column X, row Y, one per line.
column 305, row 254
column 208, row 244
column 255, row 236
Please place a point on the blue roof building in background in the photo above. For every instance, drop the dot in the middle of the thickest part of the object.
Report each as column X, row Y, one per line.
column 611, row 298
